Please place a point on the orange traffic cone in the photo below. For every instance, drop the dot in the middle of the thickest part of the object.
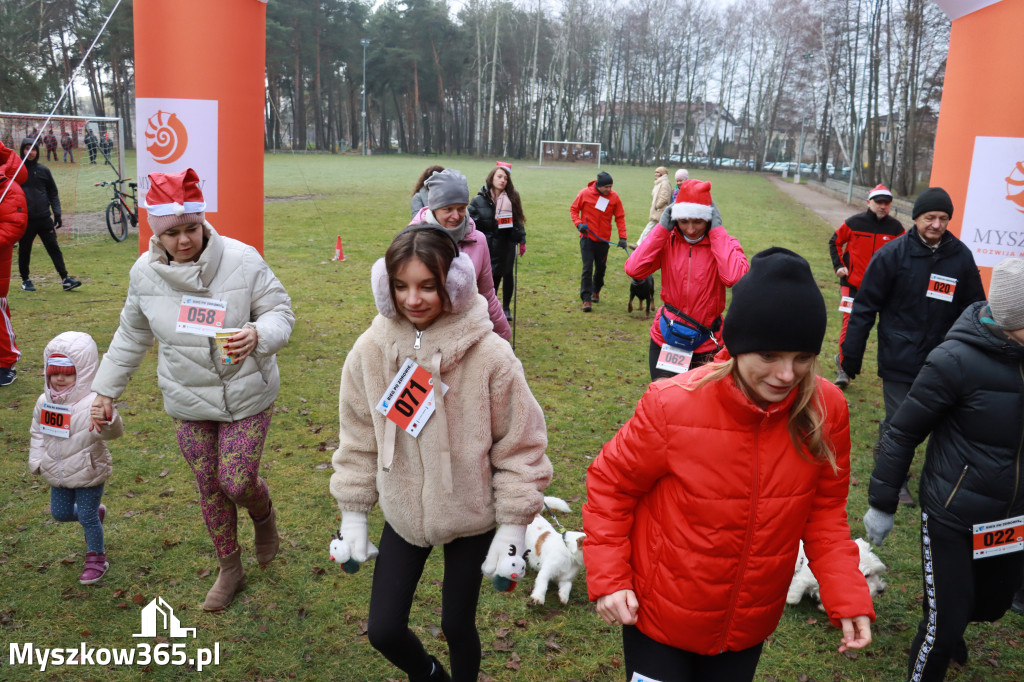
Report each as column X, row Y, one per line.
column 339, row 253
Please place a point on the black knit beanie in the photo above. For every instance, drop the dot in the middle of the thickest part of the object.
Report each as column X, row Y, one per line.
column 603, row 179
column 776, row 306
column 933, row 199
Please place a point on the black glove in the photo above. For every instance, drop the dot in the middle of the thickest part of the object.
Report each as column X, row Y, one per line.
column 582, row 227
column 57, row 222
column 851, row 366
column 622, row 244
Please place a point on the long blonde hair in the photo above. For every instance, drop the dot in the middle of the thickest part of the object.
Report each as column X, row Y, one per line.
column 806, row 417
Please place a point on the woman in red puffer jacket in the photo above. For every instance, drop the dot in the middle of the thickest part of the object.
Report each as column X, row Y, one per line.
column 697, row 506
column 13, row 219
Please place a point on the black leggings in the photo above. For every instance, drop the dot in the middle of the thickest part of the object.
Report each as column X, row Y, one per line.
column 958, row 590
column 395, row 578
column 664, row 663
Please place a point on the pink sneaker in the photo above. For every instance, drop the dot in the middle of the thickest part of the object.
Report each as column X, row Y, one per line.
column 102, row 512
column 95, row 566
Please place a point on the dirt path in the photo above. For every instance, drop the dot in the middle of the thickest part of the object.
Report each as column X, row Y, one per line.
column 833, row 211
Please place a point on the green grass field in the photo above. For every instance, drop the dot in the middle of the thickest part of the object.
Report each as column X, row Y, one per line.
column 302, row 618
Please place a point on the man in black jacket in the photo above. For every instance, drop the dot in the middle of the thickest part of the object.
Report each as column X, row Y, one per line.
column 41, row 195
column 917, row 285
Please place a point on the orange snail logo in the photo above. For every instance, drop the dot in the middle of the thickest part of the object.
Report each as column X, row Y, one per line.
column 166, row 137
column 1015, row 186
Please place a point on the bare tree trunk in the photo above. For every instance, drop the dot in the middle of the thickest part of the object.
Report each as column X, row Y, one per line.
column 494, row 72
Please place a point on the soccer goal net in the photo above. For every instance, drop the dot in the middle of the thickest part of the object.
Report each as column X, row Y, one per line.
column 566, row 151
column 80, row 152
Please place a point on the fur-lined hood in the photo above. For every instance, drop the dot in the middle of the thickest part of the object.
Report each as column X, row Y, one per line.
column 460, row 285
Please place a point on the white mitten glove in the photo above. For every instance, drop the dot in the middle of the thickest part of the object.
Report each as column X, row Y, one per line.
column 508, row 540
column 878, row 524
column 355, row 533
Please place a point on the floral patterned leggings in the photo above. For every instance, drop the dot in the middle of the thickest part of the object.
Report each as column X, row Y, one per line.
column 225, row 457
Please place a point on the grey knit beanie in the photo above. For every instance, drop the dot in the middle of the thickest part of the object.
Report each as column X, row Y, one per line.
column 1006, row 294
column 445, row 188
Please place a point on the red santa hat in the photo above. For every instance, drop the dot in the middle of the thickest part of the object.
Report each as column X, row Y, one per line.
column 693, row 201
column 880, row 191
column 58, row 363
column 503, row 164
column 174, row 199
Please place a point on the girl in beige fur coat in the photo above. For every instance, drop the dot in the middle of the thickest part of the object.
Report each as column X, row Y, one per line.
column 444, row 479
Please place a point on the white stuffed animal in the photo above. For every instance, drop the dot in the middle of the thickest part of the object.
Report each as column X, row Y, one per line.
column 804, row 581
column 510, row 571
column 554, row 557
column 341, row 555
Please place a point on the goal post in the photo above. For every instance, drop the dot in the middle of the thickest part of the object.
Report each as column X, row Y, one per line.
column 569, row 151
column 79, row 151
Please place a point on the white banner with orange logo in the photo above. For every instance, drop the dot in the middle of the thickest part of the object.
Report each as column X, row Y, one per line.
column 199, row 83
column 993, row 224
column 174, row 134
column 979, row 143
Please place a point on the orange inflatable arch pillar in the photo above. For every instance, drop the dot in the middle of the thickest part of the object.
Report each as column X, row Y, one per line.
column 979, row 143
column 199, row 87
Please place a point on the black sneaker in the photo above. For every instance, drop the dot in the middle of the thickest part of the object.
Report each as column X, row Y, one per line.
column 71, row 283
column 7, row 376
column 1018, row 602
column 26, row 285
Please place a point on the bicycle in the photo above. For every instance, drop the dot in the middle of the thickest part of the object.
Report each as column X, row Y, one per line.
column 119, row 213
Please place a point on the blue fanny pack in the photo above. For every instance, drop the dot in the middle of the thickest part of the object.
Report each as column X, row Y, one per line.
column 685, row 333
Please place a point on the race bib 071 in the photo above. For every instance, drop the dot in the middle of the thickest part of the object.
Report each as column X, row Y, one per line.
column 409, row 399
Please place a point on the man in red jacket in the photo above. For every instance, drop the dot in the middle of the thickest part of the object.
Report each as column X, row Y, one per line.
column 13, row 219
column 852, row 246
column 591, row 213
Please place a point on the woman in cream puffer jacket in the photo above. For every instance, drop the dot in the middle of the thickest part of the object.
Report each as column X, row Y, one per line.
column 221, row 407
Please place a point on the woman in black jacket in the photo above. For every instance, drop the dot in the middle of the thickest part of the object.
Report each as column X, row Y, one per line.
column 498, row 213
column 970, row 397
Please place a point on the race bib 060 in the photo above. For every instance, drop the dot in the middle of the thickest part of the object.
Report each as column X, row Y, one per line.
column 55, row 420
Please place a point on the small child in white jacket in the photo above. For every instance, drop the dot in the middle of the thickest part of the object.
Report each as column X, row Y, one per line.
column 64, row 448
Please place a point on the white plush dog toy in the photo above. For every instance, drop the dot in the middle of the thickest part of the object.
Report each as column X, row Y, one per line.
column 804, row 581
column 555, row 557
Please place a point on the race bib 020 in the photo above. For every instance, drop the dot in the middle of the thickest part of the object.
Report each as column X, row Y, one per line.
column 941, row 288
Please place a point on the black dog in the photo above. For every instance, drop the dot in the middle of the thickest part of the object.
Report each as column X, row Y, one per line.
column 642, row 289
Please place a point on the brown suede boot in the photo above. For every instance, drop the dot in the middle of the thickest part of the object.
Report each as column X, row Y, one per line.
column 267, row 540
column 229, row 583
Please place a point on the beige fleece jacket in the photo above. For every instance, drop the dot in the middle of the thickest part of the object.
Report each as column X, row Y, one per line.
column 489, row 433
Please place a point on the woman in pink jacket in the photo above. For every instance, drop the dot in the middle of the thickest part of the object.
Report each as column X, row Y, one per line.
column 447, row 200
column 697, row 263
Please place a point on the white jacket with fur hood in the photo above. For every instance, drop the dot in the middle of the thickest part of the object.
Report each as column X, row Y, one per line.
column 196, row 386
column 82, row 460
column 479, row 461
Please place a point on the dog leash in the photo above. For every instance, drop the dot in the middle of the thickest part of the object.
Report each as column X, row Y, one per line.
column 600, row 238
column 551, row 514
